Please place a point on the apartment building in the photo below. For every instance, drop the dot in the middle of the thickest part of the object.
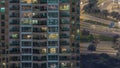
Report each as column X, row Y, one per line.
column 39, row 34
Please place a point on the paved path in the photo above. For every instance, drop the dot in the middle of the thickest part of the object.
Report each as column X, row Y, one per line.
column 103, row 47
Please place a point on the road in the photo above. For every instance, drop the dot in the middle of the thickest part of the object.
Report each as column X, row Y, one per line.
column 89, row 17
column 106, row 4
column 102, row 47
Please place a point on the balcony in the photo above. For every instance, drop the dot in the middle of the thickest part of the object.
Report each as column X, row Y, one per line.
column 42, row 22
column 64, row 36
column 14, row 15
column 64, row 21
column 40, row 8
column 64, row 28
column 64, row 58
column 15, row 7
column 37, row 58
column 14, row 22
column 15, row 51
column 42, row 15
column 64, row 14
column 14, row 58
column 75, row 44
column 14, row 1
column 15, row 65
column 14, row 29
column 39, row 44
column 63, row 42
column 39, row 30
column 15, row 43
column 39, row 37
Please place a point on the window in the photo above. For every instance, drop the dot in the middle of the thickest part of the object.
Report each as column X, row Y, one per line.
column 26, row 21
column 2, row 30
column 64, row 14
column 52, row 50
column 65, row 7
column 64, row 1
column 53, row 43
column 44, row 51
column 53, row 1
column 26, row 7
column 26, row 58
column 53, row 36
column 26, row 51
column 52, row 14
column 34, row 21
column 63, row 50
column 52, row 65
column 53, row 29
column 53, row 57
column 26, row 36
column 34, row 1
column 26, row 43
column 2, row 17
column 64, row 21
column 52, row 7
column 26, row 65
column 2, row 9
column 52, row 21
column 27, row 14
column 3, row 2
column 26, row 29
column 2, row 23
column 14, row 36
column 2, row 37
column 26, row 1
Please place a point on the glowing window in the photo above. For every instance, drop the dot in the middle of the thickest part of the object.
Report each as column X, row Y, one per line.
column 53, row 36
column 14, row 35
column 26, row 21
column 53, row 50
column 64, row 7
column 26, row 1
column 2, row 9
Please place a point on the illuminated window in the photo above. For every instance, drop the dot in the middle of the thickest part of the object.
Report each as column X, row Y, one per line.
column 34, row 1
column 26, row 21
column 44, row 28
column 34, row 21
column 64, row 7
column 27, row 14
column 26, row 1
column 14, row 36
column 63, row 49
column 2, row 9
column 53, row 36
column 26, row 7
column 26, row 36
column 44, row 50
column 53, row 50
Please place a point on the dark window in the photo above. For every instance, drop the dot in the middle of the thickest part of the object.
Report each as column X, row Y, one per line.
column 2, row 23
column 2, row 17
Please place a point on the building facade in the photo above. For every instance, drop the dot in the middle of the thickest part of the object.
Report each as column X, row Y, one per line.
column 39, row 34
